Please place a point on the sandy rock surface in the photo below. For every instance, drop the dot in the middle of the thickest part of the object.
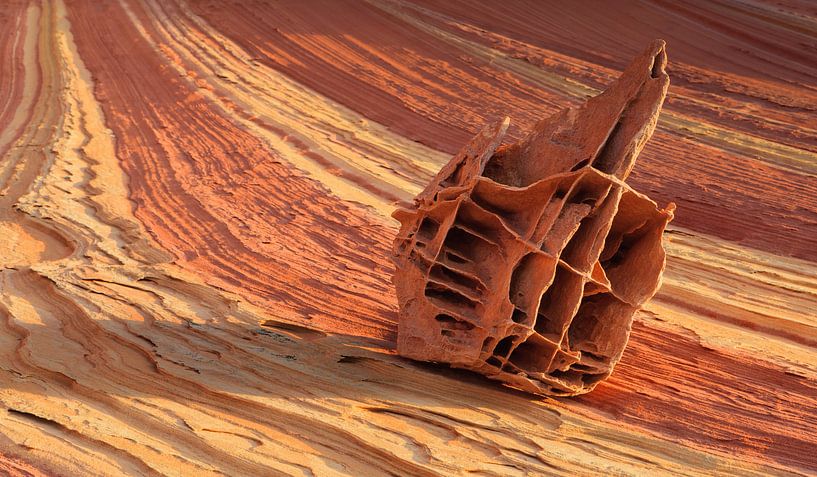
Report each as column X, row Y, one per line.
column 195, row 265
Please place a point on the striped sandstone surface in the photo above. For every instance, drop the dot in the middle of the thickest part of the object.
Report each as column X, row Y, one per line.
column 194, row 212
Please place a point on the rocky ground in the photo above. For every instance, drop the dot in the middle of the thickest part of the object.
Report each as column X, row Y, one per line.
column 195, row 256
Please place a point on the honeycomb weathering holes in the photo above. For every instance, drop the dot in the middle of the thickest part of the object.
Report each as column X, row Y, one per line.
column 527, row 262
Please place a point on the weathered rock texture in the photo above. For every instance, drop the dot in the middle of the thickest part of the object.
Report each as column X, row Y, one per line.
column 180, row 190
column 527, row 262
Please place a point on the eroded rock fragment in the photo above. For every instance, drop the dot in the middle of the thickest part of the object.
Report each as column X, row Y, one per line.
column 527, row 262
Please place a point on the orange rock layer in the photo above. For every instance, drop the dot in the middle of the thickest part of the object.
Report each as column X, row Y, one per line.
column 195, row 266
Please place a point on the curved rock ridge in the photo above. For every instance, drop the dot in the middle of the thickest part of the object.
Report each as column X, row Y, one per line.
column 527, row 262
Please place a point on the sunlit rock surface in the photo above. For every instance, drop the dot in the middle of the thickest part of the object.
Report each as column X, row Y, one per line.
column 196, row 242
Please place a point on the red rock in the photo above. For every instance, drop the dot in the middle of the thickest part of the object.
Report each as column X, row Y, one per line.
column 527, row 262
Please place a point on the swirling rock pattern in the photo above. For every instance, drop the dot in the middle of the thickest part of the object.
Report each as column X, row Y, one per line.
column 195, row 257
column 527, row 263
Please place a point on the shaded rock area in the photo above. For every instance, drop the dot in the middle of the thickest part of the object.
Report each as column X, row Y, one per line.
column 527, row 262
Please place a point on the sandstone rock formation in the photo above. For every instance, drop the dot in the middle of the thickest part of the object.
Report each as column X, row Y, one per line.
column 179, row 198
column 527, row 262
